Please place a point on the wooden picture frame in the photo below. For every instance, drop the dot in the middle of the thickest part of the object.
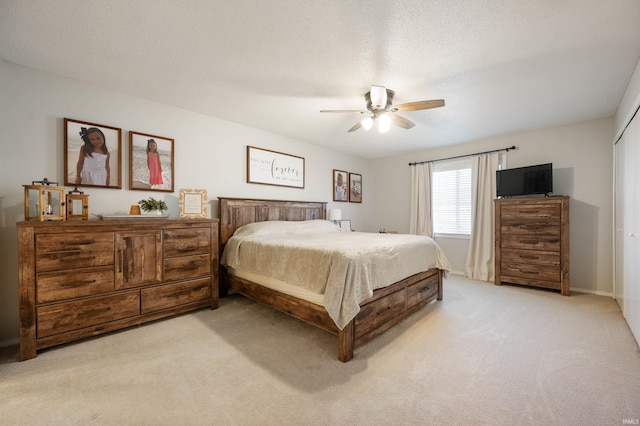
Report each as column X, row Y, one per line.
column 355, row 188
column 193, row 203
column 268, row 167
column 340, row 185
column 103, row 170
column 149, row 170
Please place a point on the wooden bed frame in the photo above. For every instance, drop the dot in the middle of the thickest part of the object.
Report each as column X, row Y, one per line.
column 384, row 309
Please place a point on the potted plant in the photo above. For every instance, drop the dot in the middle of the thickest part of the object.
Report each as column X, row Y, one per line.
column 152, row 205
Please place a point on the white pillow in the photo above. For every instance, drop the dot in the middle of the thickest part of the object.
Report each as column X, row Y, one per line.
column 274, row 227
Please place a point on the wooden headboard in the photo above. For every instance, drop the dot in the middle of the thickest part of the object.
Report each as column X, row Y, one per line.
column 236, row 212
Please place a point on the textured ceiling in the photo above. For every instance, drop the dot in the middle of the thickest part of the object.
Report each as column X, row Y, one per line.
column 502, row 66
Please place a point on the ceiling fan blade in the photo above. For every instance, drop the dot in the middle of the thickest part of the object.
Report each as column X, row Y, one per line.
column 343, row 110
column 401, row 121
column 416, row 106
column 355, row 127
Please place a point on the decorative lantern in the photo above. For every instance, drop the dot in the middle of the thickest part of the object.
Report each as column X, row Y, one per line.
column 77, row 205
column 44, row 200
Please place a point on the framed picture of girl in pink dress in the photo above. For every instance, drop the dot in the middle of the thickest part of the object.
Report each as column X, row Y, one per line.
column 150, row 162
column 92, row 154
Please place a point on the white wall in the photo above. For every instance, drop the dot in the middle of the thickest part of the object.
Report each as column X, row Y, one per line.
column 209, row 154
column 629, row 103
column 582, row 166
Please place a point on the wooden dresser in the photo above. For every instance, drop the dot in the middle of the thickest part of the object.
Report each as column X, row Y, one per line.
column 84, row 278
column 532, row 242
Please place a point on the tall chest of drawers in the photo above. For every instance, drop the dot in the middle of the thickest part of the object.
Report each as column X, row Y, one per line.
column 84, row 278
column 532, row 242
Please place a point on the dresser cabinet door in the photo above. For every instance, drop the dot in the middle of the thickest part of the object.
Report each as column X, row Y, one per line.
column 138, row 258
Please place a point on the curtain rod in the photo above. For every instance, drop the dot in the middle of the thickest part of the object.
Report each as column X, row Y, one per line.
column 466, row 155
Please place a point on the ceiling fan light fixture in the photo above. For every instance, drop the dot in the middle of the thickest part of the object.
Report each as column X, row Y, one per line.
column 367, row 123
column 384, row 123
column 378, row 95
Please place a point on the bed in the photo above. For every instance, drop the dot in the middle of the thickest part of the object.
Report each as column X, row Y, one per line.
column 378, row 306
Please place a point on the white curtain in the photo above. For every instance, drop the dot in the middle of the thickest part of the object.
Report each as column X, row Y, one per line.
column 480, row 257
column 421, row 222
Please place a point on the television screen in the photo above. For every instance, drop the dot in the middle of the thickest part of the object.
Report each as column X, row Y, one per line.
column 525, row 180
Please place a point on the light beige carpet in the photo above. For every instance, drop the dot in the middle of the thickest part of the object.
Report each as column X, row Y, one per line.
column 485, row 355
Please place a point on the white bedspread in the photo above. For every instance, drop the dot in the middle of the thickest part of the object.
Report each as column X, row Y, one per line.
column 344, row 266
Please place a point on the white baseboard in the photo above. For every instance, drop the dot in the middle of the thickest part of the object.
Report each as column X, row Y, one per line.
column 587, row 291
column 577, row 290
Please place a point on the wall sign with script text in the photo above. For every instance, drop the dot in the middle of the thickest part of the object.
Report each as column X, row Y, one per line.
column 274, row 168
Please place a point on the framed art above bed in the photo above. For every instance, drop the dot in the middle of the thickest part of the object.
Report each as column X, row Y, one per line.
column 355, row 188
column 340, row 186
column 274, row 168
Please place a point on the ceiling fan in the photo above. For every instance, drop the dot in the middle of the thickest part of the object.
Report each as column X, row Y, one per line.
column 379, row 107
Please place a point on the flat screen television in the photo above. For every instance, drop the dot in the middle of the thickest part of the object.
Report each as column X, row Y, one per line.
column 525, row 180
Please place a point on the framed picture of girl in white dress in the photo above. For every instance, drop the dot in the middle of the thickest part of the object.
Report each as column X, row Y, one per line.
column 150, row 162
column 92, row 154
column 340, row 186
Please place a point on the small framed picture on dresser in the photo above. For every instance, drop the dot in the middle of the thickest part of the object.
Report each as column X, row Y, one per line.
column 193, row 203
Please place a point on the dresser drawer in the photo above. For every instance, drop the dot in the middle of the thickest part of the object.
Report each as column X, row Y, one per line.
column 530, row 228
column 531, row 211
column 531, row 242
column 186, row 242
column 379, row 312
column 179, row 268
column 531, row 256
column 63, row 317
column 170, row 295
column 74, row 250
column 422, row 291
column 530, row 271
column 60, row 285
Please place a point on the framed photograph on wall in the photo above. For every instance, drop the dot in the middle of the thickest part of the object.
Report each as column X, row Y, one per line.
column 355, row 188
column 92, row 154
column 340, row 185
column 274, row 168
column 150, row 162
column 193, row 203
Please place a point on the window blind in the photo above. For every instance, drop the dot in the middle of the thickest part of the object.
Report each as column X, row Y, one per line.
column 451, row 192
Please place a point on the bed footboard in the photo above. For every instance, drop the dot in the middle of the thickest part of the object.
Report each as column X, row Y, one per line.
column 387, row 307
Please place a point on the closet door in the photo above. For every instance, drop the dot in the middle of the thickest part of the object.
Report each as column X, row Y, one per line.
column 632, row 227
column 619, row 167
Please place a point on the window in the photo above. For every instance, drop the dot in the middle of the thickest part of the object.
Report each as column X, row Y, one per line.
column 451, row 192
